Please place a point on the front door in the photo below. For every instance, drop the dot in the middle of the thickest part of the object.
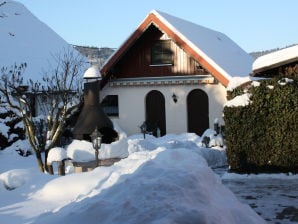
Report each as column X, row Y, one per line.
column 155, row 112
column 197, row 111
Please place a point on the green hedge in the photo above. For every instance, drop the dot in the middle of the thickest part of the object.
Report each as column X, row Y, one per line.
column 263, row 136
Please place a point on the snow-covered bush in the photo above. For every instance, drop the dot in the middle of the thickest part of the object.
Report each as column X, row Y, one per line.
column 263, row 135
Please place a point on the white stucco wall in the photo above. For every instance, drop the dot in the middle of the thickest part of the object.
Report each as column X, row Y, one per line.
column 132, row 105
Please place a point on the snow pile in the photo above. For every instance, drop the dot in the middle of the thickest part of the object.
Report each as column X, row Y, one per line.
column 160, row 186
column 56, row 154
column 162, row 180
column 117, row 149
column 215, row 155
column 83, row 151
column 137, row 143
column 80, row 151
column 13, row 179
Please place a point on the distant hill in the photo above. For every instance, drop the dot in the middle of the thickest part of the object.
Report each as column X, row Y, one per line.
column 25, row 39
column 97, row 56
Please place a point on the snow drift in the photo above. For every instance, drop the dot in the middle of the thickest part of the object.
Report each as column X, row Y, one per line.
column 168, row 186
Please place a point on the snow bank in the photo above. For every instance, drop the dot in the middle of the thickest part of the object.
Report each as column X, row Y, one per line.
column 117, row 149
column 169, row 186
column 215, row 156
column 80, row 151
column 162, row 180
column 137, row 143
column 83, row 151
column 14, row 178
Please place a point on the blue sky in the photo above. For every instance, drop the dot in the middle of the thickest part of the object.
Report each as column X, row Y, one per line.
column 254, row 25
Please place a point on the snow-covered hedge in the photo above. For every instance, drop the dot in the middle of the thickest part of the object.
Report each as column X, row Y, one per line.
column 262, row 135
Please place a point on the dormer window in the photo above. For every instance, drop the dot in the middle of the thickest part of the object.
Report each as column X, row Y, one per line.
column 161, row 53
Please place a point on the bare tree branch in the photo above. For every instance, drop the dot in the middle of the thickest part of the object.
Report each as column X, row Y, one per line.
column 56, row 96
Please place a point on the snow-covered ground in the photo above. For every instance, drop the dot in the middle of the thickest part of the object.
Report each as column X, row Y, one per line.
column 161, row 180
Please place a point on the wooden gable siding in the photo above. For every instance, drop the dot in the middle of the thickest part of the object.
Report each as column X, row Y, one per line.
column 136, row 62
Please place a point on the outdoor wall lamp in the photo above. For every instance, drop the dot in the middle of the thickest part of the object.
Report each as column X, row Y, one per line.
column 175, row 98
column 96, row 138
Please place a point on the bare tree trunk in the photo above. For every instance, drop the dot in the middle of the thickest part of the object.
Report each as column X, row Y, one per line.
column 46, row 161
column 39, row 161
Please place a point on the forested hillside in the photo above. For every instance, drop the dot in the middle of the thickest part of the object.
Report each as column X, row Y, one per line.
column 96, row 55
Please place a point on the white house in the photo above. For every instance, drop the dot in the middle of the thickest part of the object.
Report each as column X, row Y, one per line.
column 172, row 74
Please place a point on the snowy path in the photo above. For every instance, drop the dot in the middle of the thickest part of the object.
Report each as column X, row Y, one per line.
column 275, row 200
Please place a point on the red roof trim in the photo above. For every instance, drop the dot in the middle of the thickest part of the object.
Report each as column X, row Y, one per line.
column 152, row 18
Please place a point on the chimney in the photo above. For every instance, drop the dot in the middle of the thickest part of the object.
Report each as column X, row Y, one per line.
column 92, row 116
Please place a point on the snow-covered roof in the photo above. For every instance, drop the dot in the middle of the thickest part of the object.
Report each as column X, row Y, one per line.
column 218, row 49
column 274, row 59
column 25, row 39
column 219, row 53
